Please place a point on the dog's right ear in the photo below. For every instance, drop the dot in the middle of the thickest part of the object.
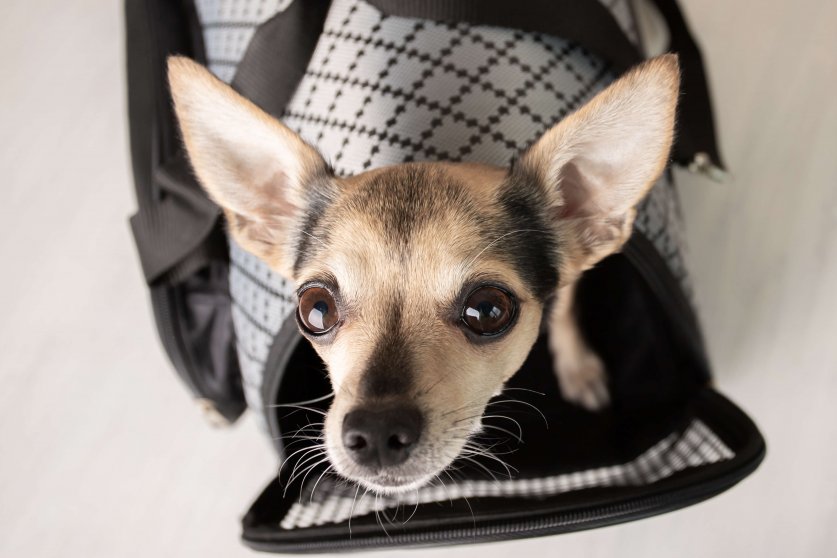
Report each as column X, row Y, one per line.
column 260, row 172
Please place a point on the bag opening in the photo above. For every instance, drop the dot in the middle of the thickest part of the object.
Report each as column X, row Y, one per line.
column 666, row 440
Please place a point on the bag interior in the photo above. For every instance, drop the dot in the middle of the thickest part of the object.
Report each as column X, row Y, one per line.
column 664, row 430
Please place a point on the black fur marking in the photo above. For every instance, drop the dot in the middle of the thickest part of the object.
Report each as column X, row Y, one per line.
column 389, row 371
column 534, row 251
column 319, row 196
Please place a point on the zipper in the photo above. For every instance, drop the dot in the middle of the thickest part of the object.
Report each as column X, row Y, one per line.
column 546, row 524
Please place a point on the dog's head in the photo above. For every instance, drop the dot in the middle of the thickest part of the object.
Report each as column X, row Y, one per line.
column 422, row 286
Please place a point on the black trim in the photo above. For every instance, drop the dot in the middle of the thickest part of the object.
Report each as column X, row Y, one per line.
column 523, row 518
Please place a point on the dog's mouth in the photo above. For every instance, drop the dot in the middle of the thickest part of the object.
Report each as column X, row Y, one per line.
column 415, row 473
column 429, row 459
column 387, row 483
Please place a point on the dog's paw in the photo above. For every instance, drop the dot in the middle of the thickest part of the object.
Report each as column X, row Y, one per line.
column 583, row 380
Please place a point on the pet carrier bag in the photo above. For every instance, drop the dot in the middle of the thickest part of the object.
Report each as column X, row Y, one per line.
column 474, row 80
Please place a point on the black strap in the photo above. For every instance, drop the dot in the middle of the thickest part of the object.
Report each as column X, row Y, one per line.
column 176, row 224
column 278, row 55
column 175, row 218
column 590, row 24
column 696, row 122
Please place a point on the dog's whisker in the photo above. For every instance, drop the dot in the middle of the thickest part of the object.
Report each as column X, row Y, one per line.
column 519, row 428
column 294, row 475
column 378, row 517
column 524, row 389
column 300, row 438
column 306, row 233
column 309, row 401
column 303, row 440
column 314, row 453
column 467, row 503
column 415, row 509
column 298, row 408
column 327, row 469
column 290, row 482
column 467, row 418
column 307, row 426
column 478, row 464
column 386, row 515
column 307, row 472
column 352, row 510
column 445, row 488
column 546, row 422
column 299, row 433
column 501, row 429
column 317, row 446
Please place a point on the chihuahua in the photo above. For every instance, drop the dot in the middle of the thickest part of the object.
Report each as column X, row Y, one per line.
column 423, row 286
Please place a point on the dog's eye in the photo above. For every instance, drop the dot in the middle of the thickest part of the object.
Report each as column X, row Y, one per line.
column 317, row 310
column 488, row 311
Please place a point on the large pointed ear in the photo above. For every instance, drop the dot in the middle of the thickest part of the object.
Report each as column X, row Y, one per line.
column 599, row 162
column 260, row 172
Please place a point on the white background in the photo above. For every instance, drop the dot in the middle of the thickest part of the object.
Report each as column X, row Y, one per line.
column 102, row 452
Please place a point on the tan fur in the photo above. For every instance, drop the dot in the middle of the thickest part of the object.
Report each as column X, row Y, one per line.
column 618, row 143
column 592, row 169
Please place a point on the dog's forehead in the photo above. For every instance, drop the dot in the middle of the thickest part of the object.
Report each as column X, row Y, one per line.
column 402, row 201
column 422, row 230
column 414, row 214
column 410, row 229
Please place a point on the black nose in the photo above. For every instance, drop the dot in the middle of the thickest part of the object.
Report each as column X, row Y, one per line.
column 381, row 438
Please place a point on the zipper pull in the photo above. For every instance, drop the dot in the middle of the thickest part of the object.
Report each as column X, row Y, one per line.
column 702, row 164
column 211, row 413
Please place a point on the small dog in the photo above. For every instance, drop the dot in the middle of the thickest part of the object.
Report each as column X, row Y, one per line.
column 423, row 286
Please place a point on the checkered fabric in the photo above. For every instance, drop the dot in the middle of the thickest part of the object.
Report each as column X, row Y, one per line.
column 383, row 90
column 328, row 500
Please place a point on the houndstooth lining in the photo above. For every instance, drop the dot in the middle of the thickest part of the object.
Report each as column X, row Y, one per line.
column 326, row 500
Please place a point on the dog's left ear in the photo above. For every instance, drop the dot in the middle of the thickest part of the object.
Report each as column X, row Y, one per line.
column 599, row 162
column 261, row 173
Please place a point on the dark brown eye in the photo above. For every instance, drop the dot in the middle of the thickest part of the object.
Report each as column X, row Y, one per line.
column 317, row 310
column 488, row 311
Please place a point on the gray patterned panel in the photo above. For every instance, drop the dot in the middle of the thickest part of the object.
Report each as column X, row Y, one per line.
column 382, row 90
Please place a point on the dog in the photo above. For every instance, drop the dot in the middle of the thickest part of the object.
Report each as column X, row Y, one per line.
column 423, row 286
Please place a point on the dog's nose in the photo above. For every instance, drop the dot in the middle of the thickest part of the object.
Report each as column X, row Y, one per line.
column 381, row 438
